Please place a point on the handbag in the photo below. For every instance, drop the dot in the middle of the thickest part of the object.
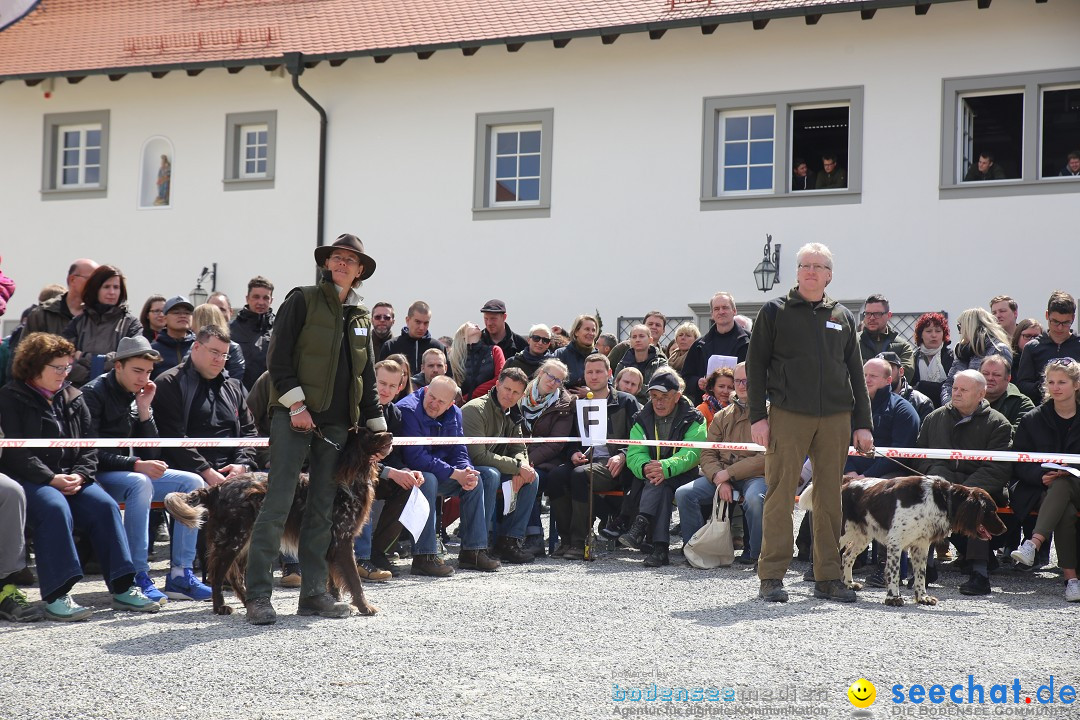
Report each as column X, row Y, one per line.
column 711, row 547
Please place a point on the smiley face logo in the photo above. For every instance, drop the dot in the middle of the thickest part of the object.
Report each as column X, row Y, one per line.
column 862, row 693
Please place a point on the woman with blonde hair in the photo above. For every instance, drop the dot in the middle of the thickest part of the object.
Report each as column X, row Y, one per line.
column 207, row 314
column 685, row 336
column 475, row 365
column 980, row 335
column 582, row 344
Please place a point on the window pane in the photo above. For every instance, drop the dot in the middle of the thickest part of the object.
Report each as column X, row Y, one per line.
column 71, row 138
column 761, row 127
column 249, row 167
column 529, row 190
column 260, row 152
column 506, row 167
column 761, row 152
column 734, row 179
column 71, row 176
column 71, row 157
column 815, row 131
column 530, row 141
column 249, row 153
column 736, row 128
column 996, row 131
column 735, row 153
column 529, row 166
column 506, row 143
column 92, row 175
column 93, row 138
column 1060, row 132
column 261, row 137
column 761, row 178
column 93, row 156
column 505, row 191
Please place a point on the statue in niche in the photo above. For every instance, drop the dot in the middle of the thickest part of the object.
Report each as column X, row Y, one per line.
column 164, row 180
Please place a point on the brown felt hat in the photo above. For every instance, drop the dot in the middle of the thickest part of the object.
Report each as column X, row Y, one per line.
column 352, row 244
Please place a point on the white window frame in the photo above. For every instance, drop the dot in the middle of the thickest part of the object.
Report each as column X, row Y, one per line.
column 1032, row 85
column 236, row 176
column 52, row 156
column 723, row 142
column 493, row 155
column 243, row 172
column 81, row 166
column 487, row 127
column 782, row 105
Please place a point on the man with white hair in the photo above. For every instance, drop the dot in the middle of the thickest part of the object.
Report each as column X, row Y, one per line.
column 804, row 356
column 967, row 422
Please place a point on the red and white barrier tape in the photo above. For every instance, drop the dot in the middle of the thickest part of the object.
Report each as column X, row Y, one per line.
column 889, row 452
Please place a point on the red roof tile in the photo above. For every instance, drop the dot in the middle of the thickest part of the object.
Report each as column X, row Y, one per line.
column 72, row 36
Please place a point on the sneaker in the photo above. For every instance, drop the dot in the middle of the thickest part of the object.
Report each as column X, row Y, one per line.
column 560, row 551
column 614, row 528
column 133, row 599
column 430, row 566
column 808, row 576
column 773, row 591
column 65, row 609
column 149, row 589
column 633, row 537
column 834, row 590
column 477, row 560
column 1072, row 590
column 367, row 571
column 260, row 611
column 1025, row 554
column 187, row 587
column 290, row 577
column 746, row 558
column 877, row 578
column 535, row 545
column 323, row 605
column 574, row 552
column 658, row 557
column 976, row 585
column 382, row 562
column 14, row 606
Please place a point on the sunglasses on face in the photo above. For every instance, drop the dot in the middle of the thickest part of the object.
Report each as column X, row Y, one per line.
column 540, row 339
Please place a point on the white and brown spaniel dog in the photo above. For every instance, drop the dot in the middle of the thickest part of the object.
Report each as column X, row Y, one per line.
column 909, row 513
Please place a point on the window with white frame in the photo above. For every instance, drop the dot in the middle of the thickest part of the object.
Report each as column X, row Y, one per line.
column 767, row 150
column 513, row 164
column 1010, row 134
column 75, row 153
column 250, row 149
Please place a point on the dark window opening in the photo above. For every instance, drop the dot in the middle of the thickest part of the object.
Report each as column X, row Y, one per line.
column 816, row 132
column 992, row 125
column 1060, row 129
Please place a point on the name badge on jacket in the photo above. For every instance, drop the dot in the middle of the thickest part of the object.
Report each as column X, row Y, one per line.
column 359, row 331
column 829, row 324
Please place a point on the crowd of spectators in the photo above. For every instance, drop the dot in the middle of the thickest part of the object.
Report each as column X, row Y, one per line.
column 81, row 364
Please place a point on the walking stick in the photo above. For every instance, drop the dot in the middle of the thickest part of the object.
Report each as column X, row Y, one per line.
column 589, row 535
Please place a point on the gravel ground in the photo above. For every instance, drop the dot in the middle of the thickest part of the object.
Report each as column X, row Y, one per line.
column 554, row 639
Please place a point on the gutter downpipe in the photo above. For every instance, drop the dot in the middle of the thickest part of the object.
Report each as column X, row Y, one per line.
column 295, row 66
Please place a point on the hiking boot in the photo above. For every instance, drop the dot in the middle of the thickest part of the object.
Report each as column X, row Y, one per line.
column 1024, row 556
column 149, row 589
column 834, row 590
column 746, row 558
column 976, row 585
column 633, row 537
column 14, row 606
column 290, row 577
column 260, row 611
column 65, row 609
column 1072, row 590
column 477, row 560
column 511, row 551
column 877, row 578
column 134, row 600
column 323, row 605
column 658, row 557
column 379, row 560
column 574, row 552
column 772, row 591
column 534, row 544
column 614, row 527
column 187, row 587
column 367, row 571
column 430, row 566
column 560, row 551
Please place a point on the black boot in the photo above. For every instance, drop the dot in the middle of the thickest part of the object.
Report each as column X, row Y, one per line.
column 510, row 550
column 633, row 537
column 659, row 556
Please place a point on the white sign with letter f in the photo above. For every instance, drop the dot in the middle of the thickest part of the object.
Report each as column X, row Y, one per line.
column 592, row 420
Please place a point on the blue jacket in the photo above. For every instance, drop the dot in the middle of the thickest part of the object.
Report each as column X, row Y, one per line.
column 896, row 424
column 439, row 460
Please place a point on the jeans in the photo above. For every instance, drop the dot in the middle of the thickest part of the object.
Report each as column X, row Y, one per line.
column 513, row 525
column 473, row 516
column 53, row 517
column 137, row 491
column 362, row 542
column 690, row 497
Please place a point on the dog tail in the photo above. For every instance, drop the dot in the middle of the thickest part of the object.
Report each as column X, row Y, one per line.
column 188, row 508
column 806, row 498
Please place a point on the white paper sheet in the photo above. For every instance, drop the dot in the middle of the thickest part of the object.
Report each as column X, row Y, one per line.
column 415, row 514
column 720, row 361
column 509, row 497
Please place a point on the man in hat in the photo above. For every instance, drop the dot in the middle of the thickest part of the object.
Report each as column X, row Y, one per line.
column 120, row 407
column 323, row 384
column 175, row 341
column 497, row 332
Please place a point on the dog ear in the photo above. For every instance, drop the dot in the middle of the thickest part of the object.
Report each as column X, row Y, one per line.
column 966, row 517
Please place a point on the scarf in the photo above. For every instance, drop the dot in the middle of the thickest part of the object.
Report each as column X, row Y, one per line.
column 714, row 404
column 533, row 404
column 930, row 367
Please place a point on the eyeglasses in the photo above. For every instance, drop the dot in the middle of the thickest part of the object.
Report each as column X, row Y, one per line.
column 873, row 315
column 156, row 312
column 1060, row 323
column 556, row 380
column 383, row 317
column 214, row 354
column 61, row 369
column 347, row 259
column 540, row 339
column 1030, row 335
column 740, row 381
column 1063, row 362
column 816, row 267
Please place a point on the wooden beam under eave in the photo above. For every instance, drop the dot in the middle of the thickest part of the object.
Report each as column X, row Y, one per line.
column 425, row 54
column 117, row 76
column 514, row 47
column 337, row 63
column 194, row 72
column 469, row 51
column 272, row 68
column 381, row 58
column 158, row 74
column 560, row 43
column 868, row 14
column 922, row 9
column 234, row 70
column 657, row 34
column 313, row 63
column 983, row 4
column 760, row 24
column 709, row 29
column 609, row 39
column 75, row 79
column 32, row 83
column 813, row 19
